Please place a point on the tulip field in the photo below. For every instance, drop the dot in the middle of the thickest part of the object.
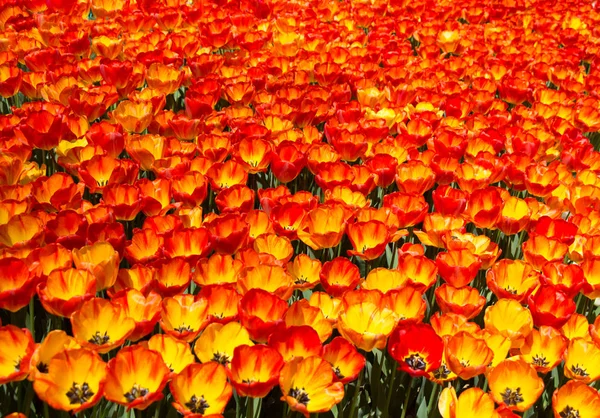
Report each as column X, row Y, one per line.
column 300, row 208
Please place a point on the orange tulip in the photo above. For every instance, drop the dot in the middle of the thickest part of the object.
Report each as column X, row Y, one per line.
column 467, row 355
column 100, row 325
column 273, row 279
column 544, row 349
column 136, row 378
column 458, row 267
column 74, row 381
column 305, row 271
column 261, row 313
column 339, row 275
column 101, row 260
column 515, row 383
column 16, row 351
column 512, row 279
column 184, row 316
column 485, row 207
column 302, row 313
column 581, row 361
column 144, row 310
column 471, row 402
column 54, row 343
column 508, row 318
column 66, row 290
column 17, row 284
column 218, row 342
column 255, row 370
column 323, row 227
column 369, row 239
column 465, row 301
column 296, row 341
column 575, row 399
column 176, row 354
column 308, row 386
column 201, row 389
column 217, row 269
column 366, row 325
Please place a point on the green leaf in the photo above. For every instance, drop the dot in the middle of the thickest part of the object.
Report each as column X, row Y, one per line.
column 422, row 411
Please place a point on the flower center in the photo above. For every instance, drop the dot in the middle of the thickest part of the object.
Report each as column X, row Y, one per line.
column 415, row 362
column 442, row 372
column 99, row 339
column 540, row 361
column 136, row 392
column 184, row 328
column 569, row 412
column 197, row 405
column 18, row 364
column 221, row 358
column 338, row 372
column 510, row 290
column 579, row 371
column 512, row 397
column 42, row 367
column 79, row 393
column 300, row 395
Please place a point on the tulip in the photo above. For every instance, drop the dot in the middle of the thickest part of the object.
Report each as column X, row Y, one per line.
column 544, row 349
column 366, row 325
column 471, row 402
column 218, row 342
column 261, row 313
column 16, row 351
column 508, row 318
column 54, row 343
column 339, row 275
column 217, row 269
column 101, row 260
column 176, row 354
column 144, row 310
column 17, row 284
column 305, row 271
column 201, row 389
column 323, row 227
column 467, row 355
column 369, row 239
column 74, row 381
column 100, row 325
column 581, row 361
column 296, row 341
column 136, row 378
column 575, row 399
column 273, row 279
column 66, row 290
column 458, row 267
column 255, row 370
column 417, row 348
column 302, row 313
column 549, row 306
column 515, row 383
column 464, row 301
column 308, row 386
column 184, row 316
column 512, row 279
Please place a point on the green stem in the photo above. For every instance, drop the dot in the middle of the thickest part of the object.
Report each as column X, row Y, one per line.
column 355, row 397
column 433, row 399
column 249, row 407
column 391, row 390
column 407, row 399
column 31, row 324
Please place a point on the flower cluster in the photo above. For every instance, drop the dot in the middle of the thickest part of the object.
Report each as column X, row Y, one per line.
column 349, row 208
